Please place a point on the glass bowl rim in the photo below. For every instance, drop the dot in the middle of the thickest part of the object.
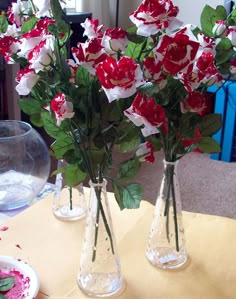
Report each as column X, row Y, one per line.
column 27, row 126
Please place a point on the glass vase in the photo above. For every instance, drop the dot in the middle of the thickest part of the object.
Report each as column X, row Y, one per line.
column 100, row 272
column 69, row 202
column 166, row 242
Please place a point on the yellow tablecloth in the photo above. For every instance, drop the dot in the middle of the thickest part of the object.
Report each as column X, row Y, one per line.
column 53, row 248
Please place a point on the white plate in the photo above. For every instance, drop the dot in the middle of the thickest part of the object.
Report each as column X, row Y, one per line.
column 8, row 263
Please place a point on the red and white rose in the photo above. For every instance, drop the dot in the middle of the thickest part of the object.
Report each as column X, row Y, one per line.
column 233, row 67
column 231, row 35
column 115, row 40
column 177, row 52
column 92, row 29
column 194, row 102
column 8, row 46
column 43, row 8
column 153, row 71
column 17, row 11
column 145, row 152
column 203, row 71
column 62, row 108
column 89, row 54
column 26, row 79
column 146, row 113
column 154, row 15
column 32, row 38
column 119, row 79
column 42, row 55
column 219, row 29
column 73, row 69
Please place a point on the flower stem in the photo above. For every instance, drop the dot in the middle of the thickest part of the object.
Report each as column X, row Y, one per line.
column 167, row 205
column 175, row 214
column 171, row 192
column 71, row 204
column 100, row 209
column 98, row 194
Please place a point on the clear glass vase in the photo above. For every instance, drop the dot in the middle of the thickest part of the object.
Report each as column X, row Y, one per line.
column 100, row 272
column 69, row 202
column 166, row 241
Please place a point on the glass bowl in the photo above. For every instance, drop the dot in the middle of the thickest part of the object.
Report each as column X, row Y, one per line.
column 24, row 164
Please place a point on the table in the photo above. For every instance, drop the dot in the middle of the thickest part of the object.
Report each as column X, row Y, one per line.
column 53, row 247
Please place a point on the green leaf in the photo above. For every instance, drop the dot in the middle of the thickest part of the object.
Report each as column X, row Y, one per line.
column 97, row 155
column 149, row 89
column 132, row 195
column 188, row 123
column 155, row 141
column 224, row 51
column 73, row 157
column 2, row 296
column 133, row 50
column 112, row 111
column 133, row 37
column 74, row 175
column 51, row 128
column 210, row 124
column 3, row 23
column 129, row 142
column 208, row 145
column 209, row 16
column 36, row 120
column 82, row 77
column 232, row 18
column 62, row 26
column 129, row 169
column 57, row 10
column 52, row 28
column 61, row 146
column 65, row 72
column 29, row 24
column 6, row 283
column 118, row 191
column 29, row 106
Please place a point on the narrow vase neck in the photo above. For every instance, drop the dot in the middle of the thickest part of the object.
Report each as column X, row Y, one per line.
column 170, row 163
column 102, row 184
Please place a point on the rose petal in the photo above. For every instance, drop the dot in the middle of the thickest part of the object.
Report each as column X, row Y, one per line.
column 4, row 228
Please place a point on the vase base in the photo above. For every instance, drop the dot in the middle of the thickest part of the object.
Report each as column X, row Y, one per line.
column 165, row 258
column 65, row 213
column 101, row 285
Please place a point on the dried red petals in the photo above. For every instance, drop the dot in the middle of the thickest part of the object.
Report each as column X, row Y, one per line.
column 22, row 283
column 4, row 228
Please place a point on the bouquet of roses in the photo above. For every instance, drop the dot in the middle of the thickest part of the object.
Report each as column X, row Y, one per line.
column 147, row 82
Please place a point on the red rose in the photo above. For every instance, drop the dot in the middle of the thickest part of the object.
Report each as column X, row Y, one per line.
column 177, row 52
column 194, row 102
column 145, row 112
column 119, row 79
column 195, row 140
column 153, row 15
column 89, row 54
column 115, row 40
column 8, row 46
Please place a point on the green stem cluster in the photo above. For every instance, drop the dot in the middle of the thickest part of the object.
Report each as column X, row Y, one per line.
column 100, row 210
column 169, row 147
column 170, row 194
column 84, row 148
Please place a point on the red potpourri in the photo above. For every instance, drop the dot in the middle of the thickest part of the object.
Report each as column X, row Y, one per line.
column 22, row 283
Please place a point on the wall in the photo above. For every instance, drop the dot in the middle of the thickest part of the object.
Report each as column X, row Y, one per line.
column 190, row 10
